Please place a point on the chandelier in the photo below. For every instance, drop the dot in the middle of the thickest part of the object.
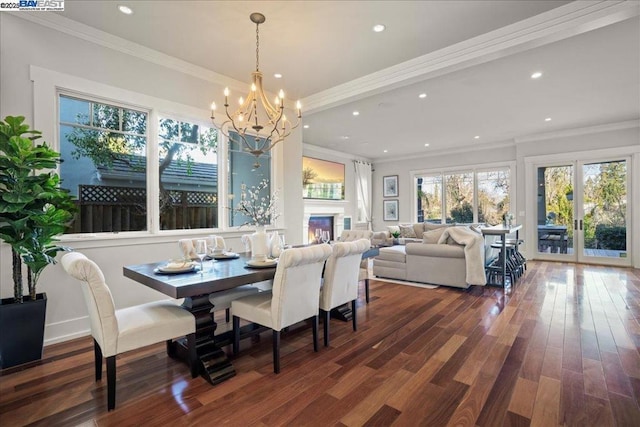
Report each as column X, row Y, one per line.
column 259, row 124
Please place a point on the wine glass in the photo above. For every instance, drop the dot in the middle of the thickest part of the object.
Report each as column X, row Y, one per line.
column 325, row 236
column 318, row 234
column 201, row 251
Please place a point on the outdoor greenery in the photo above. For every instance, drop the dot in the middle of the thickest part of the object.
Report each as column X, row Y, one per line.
column 604, row 200
column 34, row 210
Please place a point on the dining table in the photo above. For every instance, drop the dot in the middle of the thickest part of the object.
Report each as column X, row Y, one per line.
column 195, row 286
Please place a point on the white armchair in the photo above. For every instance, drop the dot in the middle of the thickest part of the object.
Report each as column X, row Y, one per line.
column 295, row 297
column 117, row 331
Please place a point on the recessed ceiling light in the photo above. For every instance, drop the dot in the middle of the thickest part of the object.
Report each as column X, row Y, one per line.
column 277, row 75
column 426, row 145
column 356, row 113
column 536, row 75
column 306, row 126
column 386, row 151
column 548, row 119
column 378, row 28
column 422, row 95
column 345, row 137
column 476, row 137
column 125, row 9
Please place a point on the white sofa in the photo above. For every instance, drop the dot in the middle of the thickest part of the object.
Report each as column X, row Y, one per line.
column 424, row 260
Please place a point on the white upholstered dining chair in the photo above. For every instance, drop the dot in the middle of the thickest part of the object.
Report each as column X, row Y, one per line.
column 351, row 236
column 118, row 331
column 295, row 297
column 340, row 281
column 220, row 300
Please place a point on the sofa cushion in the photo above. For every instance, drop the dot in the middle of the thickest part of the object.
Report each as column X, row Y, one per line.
column 432, row 236
column 393, row 253
column 418, row 229
column 438, row 251
column 407, row 231
column 428, row 226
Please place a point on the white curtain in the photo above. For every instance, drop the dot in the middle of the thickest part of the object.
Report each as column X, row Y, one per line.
column 363, row 187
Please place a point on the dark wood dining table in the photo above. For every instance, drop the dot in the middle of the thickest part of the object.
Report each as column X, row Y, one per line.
column 195, row 288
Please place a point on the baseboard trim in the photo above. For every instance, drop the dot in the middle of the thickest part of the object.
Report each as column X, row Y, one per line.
column 66, row 330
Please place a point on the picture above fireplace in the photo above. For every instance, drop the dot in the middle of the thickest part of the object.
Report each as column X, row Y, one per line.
column 322, row 179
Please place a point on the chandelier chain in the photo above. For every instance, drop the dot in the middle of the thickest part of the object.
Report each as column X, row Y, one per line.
column 257, row 47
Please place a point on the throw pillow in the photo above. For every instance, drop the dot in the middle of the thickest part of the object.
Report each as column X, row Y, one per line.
column 432, row 236
column 407, row 231
column 428, row 226
column 418, row 229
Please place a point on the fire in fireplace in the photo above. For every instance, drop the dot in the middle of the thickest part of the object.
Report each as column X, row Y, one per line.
column 324, row 223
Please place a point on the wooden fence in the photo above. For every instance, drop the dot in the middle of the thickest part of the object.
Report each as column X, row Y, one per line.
column 115, row 209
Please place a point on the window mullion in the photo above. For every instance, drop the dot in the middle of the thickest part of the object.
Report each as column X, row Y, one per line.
column 153, row 173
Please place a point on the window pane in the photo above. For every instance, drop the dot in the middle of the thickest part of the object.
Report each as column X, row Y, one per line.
column 459, row 197
column 106, row 116
column 430, row 199
column 493, row 195
column 245, row 168
column 188, row 175
column 104, row 167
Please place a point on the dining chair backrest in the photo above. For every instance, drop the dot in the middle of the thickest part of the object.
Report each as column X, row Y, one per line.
column 296, row 285
column 341, row 273
column 97, row 296
column 188, row 246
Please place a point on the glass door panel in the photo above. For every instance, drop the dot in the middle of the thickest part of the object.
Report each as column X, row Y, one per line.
column 555, row 237
column 604, row 211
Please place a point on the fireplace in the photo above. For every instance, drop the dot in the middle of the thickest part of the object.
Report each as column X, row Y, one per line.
column 324, row 223
column 333, row 209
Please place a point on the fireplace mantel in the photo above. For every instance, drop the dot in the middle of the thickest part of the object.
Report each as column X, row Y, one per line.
column 323, row 208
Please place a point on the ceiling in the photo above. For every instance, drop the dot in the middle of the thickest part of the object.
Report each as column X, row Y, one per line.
column 588, row 79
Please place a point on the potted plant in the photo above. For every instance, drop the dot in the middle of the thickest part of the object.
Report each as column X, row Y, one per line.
column 34, row 210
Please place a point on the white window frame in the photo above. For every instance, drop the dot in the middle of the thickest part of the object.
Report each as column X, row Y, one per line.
column 474, row 169
column 48, row 85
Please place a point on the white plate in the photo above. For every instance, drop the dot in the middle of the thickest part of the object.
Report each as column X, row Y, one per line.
column 262, row 264
column 225, row 255
column 168, row 269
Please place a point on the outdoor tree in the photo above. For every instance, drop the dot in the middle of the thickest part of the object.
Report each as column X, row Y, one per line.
column 105, row 148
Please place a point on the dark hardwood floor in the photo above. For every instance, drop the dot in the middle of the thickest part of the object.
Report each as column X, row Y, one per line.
column 560, row 348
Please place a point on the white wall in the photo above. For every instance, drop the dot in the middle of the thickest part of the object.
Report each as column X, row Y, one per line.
column 24, row 44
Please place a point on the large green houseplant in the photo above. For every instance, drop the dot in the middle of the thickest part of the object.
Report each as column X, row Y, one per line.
column 34, row 210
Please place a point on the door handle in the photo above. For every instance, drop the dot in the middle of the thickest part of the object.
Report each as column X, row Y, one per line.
column 575, row 224
column 580, row 225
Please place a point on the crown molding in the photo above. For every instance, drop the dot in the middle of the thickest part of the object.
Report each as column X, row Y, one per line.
column 448, row 151
column 566, row 21
column 331, row 152
column 102, row 38
column 609, row 127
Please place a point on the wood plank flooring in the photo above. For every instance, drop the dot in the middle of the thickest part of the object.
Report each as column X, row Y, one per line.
column 560, row 348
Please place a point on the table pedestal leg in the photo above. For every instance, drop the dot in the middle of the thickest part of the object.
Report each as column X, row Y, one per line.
column 215, row 367
column 342, row 313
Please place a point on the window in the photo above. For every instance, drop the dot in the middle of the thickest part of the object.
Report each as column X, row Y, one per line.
column 458, row 197
column 430, row 199
column 245, row 168
column 493, row 195
column 188, row 167
column 464, row 196
column 103, row 148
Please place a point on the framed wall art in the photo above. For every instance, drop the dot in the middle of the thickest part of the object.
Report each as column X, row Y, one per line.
column 390, row 210
column 390, row 186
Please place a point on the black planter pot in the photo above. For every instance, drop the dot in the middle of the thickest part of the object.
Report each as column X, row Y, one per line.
column 22, row 325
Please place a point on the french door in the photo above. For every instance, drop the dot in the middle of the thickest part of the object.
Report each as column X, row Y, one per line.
column 583, row 211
